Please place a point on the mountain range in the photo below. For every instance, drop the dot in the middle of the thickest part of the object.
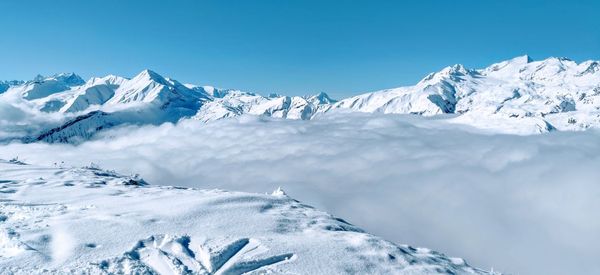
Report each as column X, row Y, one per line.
column 518, row 96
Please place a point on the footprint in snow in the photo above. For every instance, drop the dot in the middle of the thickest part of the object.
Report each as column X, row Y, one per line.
column 165, row 254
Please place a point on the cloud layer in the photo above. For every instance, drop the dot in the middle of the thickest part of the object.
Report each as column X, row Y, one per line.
column 520, row 204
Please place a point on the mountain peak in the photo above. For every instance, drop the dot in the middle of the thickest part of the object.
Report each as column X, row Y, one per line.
column 38, row 78
column 561, row 58
column 523, row 59
column 447, row 72
column 151, row 75
column 557, row 60
column 70, row 79
column 321, row 98
column 274, row 95
column 455, row 68
column 508, row 66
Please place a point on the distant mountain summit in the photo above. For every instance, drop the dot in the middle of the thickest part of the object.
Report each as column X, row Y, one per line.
column 147, row 98
column 519, row 95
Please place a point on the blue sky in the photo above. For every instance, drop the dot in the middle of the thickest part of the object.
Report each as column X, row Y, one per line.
column 289, row 47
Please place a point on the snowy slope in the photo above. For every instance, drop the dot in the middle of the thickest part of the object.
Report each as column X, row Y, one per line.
column 77, row 99
column 86, row 220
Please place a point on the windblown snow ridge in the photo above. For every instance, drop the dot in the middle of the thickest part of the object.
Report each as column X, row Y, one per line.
column 87, row 220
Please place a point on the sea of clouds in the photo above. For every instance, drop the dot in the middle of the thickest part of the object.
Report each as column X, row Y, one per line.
column 519, row 204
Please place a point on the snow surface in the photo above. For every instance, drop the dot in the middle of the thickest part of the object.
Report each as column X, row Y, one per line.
column 87, row 220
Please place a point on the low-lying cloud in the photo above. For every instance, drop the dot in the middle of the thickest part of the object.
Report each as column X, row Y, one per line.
column 520, row 204
column 19, row 119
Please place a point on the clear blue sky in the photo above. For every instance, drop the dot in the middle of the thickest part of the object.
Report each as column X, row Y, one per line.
column 287, row 46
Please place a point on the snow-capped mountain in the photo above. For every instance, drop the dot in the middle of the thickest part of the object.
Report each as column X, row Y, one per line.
column 555, row 93
column 232, row 103
column 41, row 87
column 514, row 96
column 147, row 98
column 58, row 220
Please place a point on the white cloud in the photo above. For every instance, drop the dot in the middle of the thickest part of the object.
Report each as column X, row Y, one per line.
column 522, row 204
column 19, row 119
